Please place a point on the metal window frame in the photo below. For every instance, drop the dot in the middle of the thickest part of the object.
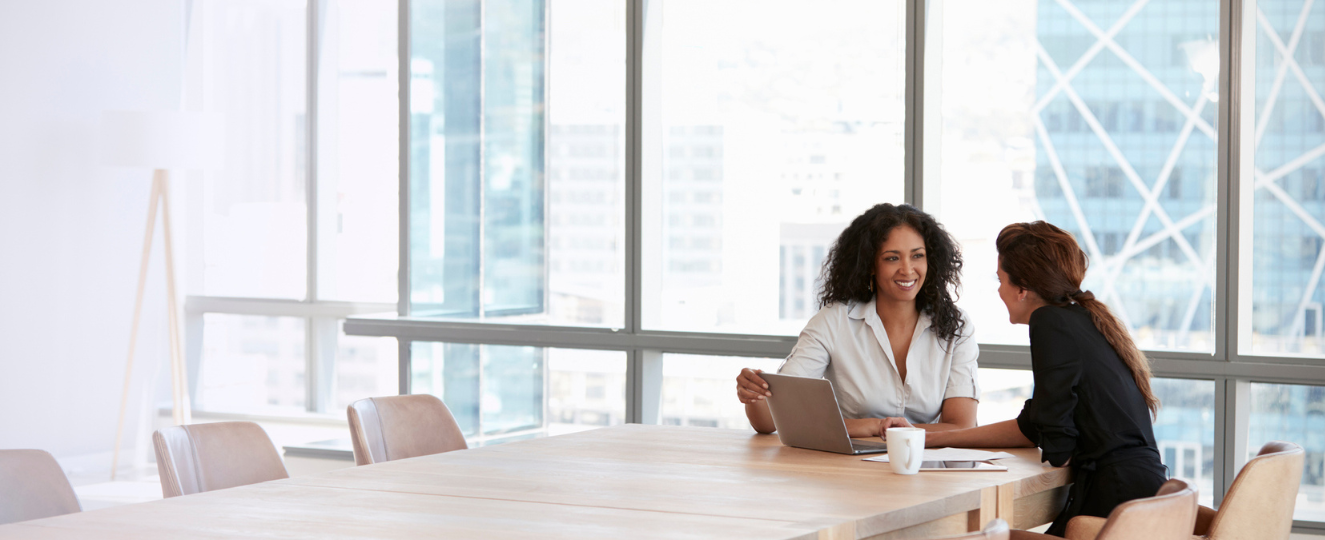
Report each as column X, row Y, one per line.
column 1231, row 371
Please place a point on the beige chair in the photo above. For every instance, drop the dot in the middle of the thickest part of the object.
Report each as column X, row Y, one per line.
column 399, row 427
column 995, row 530
column 1169, row 515
column 207, row 457
column 1260, row 503
column 32, row 486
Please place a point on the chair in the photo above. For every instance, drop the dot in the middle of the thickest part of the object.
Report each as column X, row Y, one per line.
column 399, row 427
column 207, row 457
column 32, row 486
column 1169, row 515
column 1259, row 505
column 995, row 530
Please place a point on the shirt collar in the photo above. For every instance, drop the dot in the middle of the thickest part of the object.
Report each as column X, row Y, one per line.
column 860, row 310
column 863, row 310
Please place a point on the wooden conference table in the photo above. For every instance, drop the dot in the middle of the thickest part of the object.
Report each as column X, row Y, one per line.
column 631, row 481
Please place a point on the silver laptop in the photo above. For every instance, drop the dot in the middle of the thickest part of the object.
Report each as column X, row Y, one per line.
column 806, row 415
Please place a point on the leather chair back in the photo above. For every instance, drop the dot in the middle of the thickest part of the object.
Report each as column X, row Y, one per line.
column 207, row 457
column 995, row 530
column 1260, row 503
column 1169, row 515
column 399, row 427
column 32, row 486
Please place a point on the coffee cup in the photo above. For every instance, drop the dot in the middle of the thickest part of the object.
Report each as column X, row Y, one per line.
column 906, row 449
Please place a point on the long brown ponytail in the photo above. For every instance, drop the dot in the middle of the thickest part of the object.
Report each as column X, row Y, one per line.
column 1046, row 260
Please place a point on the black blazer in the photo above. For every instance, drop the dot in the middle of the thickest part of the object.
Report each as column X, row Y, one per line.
column 1086, row 405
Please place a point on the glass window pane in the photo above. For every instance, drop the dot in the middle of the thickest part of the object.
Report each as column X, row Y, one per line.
column 252, row 214
column 586, row 389
column 1285, row 412
column 365, row 367
column 499, row 392
column 252, row 365
column 1003, row 393
column 516, row 160
column 357, row 178
column 1185, row 431
column 700, row 390
column 762, row 140
column 1097, row 117
column 1288, row 197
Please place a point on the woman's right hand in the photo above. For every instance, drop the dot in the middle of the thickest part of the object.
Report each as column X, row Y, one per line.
column 750, row 387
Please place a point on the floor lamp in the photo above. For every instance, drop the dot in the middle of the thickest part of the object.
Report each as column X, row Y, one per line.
column 161, row 141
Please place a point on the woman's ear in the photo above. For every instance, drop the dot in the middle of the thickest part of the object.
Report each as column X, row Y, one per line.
column 1021, row 294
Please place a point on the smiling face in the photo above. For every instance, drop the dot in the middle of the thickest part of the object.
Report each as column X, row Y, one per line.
column 899, row 270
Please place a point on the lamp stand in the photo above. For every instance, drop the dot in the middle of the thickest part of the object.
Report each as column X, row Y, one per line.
column 179, row 381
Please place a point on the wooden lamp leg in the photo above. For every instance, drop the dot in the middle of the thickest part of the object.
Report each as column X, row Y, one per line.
column 157, row 182
column 181, row 412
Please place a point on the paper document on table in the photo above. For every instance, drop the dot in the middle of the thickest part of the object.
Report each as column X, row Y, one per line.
column 952, row 454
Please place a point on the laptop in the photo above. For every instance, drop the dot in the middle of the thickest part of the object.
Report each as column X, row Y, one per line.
column 806, row 416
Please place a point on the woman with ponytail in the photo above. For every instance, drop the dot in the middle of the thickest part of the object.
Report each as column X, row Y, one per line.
column 1092, row 405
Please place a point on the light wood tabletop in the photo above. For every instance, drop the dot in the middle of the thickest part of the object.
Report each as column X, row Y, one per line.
column 631, row 481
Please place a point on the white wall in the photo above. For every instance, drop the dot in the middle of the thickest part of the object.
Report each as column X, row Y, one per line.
column 71, row 230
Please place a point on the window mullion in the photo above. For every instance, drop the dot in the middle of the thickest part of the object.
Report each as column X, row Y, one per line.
column 403, row 78
column 1232, row 412
column 913, row 138
column 634, row 166
column 313, row 373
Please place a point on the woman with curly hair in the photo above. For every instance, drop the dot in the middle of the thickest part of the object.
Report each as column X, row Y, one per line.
column 1092, row 406
column 888, row 333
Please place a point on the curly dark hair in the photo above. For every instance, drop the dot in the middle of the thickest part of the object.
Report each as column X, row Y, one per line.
column 848, row 270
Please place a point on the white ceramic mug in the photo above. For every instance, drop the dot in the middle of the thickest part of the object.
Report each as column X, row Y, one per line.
column 906, row 448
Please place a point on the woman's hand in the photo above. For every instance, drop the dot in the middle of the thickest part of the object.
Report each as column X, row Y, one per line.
column 892, row 422
column 860, row 428
column 750, row 387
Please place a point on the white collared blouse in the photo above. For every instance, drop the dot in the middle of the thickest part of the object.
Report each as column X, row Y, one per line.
column 847, row 344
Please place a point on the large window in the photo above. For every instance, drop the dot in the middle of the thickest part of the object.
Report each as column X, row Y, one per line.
column 1097, row 117
column 516, row 160
column 299, row 228
column 660, row 181
column 761, row 141
column 1286, row 202
column 253, row 214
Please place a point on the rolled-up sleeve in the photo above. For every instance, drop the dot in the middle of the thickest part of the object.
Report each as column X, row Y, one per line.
column 1047, row 419
column 964, row 375
column 809, row 358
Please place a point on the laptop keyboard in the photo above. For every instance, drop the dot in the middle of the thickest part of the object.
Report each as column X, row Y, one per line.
column 856, row 443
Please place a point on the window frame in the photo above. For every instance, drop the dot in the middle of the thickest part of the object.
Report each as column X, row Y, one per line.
column 1231, row 370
